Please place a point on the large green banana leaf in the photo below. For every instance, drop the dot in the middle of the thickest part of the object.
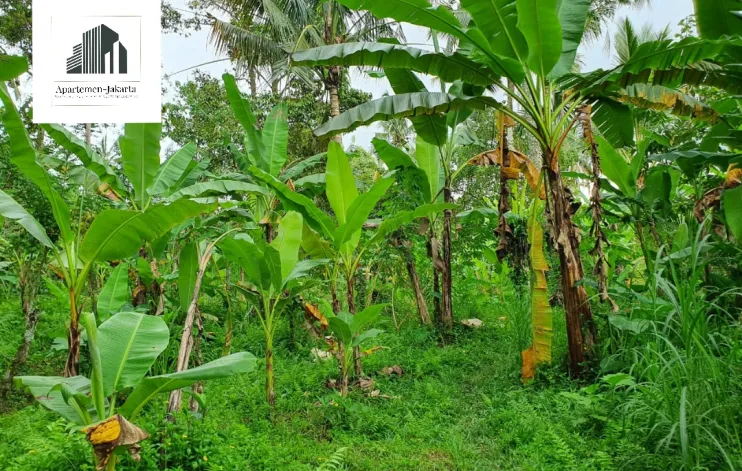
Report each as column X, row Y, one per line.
column 674, row 63
column 23, row 156
column 614, row 120
column 190, row 176
column 129, row 344
column 117, row 234
column 573, row 18
column 276, row 139
column 448, row 68
column 422, row 13
column 406, row 217
column 148, row 388
column 498, row 20
column 256, row 152
column 247, row 255
column 393, row 157
column 89, row 158
column 717, row 18
column 288, row 241
column 140, row 157
column 341, row 184
column 358, row 214
column 732, row 202
column 172, row 170
column 428, row 157
column 431, row 127
column 115, row 292
column 407, row 105
column 12, row 67
column 217, row 188
column 43, row 389
column 616, row 168
column 539, row 23
column 296, row 169
column 9, row 208
column 292, row 201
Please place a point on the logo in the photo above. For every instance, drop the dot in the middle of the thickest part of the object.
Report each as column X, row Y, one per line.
column 97, row 61
column 100, row 52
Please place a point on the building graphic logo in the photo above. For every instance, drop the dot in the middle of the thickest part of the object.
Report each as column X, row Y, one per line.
column 100, row 52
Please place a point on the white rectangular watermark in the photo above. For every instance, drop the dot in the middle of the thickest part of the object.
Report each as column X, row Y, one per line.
column 96, row 61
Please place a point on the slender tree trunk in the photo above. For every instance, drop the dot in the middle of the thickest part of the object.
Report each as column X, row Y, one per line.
column 447, row 312
column 598, row 251
column 422, row 305
column 253, row 79
column 186, row 338
column 504, row 231
column 576, row 305
column 332, row 79
column 433, row 253
column 230, row 316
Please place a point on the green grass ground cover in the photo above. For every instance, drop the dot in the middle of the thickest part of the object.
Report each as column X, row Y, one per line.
column 459, row 407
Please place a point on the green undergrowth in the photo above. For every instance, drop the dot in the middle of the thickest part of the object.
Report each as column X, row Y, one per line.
column 461, row 406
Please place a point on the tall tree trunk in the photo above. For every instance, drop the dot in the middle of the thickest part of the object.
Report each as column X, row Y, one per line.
column 576, row 305
column 332, row 79
column 422, row 305
column 252, row 77
column 504, row 231
column 186, row 338
column 598, row 250
column 447, row 312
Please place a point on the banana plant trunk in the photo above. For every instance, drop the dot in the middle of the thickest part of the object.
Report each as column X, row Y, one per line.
column 351, row 297
column 598, row 251
column 433, row 253
column 447, row 311
column 186, row 338
column 270, row 379
column 73, row 338
column 581, row 335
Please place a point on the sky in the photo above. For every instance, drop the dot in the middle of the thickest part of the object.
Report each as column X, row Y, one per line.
column 184, row 52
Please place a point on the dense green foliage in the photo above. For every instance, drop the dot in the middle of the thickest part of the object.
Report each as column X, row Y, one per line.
column 549, row 282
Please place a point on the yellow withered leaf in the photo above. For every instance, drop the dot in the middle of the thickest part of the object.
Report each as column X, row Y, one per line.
column 112, row 433
column 313, row 312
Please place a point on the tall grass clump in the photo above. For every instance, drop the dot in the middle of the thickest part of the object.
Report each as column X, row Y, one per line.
column 683, row 348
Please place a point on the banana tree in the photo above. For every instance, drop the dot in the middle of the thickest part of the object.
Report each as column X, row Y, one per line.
column 122, row 350
column 266, row 149
column 341, row 241
column 113, row 235
column 532, row 44
column 350, row 330
column 274, row 277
